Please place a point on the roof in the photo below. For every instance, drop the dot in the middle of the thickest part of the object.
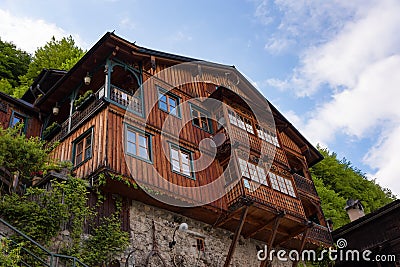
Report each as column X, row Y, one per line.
column 19, row 102
column 375, row 215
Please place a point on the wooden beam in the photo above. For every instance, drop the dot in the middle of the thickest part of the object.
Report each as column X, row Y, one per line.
column 291, row 235
column 303, row 243
column 236, row 236
column 262, row 228
column 272, row 237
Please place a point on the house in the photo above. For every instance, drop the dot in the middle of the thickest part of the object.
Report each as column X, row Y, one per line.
column 382, row 241
column 182, row 140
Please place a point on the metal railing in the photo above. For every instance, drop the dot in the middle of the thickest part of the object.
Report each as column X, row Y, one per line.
column 41, row 256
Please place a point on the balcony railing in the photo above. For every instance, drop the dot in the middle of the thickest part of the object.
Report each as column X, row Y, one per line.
column 133, row 103
column 79, row 116
column 266, row 196
column 320, row 233
column 305, row 185
column 253, row 142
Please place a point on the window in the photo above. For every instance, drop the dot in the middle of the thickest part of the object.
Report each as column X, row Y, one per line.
column 201, row 118
column 82, row 148
column 181, row 160
column 200, row 244
column 240, row 121
column 17, row 119
column 267, row 135
column 138, row 143
column 282, row 184
column 253, row 172
column 168, row 102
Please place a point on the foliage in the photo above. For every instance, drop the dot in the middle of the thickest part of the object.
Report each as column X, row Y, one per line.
column 337, row 180
column 21, row 154
column 56, row 54
column 41, row 213
column 5, row 86
column 9, row 256
column 13, row 63
column 107, row 241
column 50, row 128
column 82, row 98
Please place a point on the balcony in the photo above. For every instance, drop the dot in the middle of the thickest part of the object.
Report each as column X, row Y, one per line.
column 126, row 100
column 117, row 95
column 242, row 138
column 305, row 186
column 320, row 234
column 265, row 196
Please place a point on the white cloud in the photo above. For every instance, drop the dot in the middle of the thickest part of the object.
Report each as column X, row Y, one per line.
column 29, row 34
column 127, row 23
column 360, row 64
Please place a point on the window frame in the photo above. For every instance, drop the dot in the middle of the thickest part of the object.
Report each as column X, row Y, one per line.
column 180, row 151
column 253, row 174
column 277, row 182
column 137, row 132
column 78, row 140
column 267, row 135
column 241, row 121
column 207, row 116
column 168, row 95
column 24, row 118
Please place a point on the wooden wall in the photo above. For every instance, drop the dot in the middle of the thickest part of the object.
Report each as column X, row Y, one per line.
column 7, row 107
column 64, row 151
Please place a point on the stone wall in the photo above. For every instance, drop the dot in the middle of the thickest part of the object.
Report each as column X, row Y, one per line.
column 216, row 242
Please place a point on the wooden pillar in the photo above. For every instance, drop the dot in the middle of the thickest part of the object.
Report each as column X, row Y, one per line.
column 271, row 239
column 303, row 242
column 236, row 236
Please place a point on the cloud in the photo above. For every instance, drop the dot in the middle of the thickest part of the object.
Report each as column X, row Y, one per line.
column 127, row 23
column 360, row 65
column 29, row 34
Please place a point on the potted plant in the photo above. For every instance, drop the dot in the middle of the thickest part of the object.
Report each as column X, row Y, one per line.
column 83, row 100
column 50, row 130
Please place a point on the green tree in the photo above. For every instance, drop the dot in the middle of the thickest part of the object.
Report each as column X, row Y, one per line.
column 13, row 63
column 56, row 54
column 21, row 154
column 337, row 180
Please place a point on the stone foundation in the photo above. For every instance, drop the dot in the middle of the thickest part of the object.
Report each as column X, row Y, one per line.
column 187, row 250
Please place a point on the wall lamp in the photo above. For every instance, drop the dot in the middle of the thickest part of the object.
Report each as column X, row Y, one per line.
column 56, row 109
column 87, row 79
column 183, row 227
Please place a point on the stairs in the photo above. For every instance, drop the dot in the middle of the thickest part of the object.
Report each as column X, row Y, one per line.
column 34, row 254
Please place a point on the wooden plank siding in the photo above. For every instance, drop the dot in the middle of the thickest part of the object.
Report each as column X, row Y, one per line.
column 64, row 150
column 7, row 108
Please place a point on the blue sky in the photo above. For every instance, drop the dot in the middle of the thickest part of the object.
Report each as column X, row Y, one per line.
column 332, row 67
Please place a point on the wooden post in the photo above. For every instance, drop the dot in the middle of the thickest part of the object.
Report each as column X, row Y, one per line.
column 272, row 238
column 303, row 242
column 236, row 236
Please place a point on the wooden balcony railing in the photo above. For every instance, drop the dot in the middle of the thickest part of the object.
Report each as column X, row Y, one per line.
column 266, row 196
column 79, row 116
column 133, row 103
column 320, row 233
column 305, row 185
column 253, row 142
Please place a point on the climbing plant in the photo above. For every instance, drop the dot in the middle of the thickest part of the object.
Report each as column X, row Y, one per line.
column 45, row 215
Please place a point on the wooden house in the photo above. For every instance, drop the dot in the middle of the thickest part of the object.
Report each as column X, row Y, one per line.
column 140, row 122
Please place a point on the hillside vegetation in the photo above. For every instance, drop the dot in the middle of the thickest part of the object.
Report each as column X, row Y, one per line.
column 337, row 180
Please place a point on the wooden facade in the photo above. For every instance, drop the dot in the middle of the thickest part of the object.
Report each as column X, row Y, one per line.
column 127, row 84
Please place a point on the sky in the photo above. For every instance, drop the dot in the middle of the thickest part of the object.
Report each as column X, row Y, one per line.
column 331, row 67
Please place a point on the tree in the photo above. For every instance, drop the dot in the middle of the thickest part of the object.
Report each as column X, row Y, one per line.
column 13, row 63
column 21, row 154
column 56, row 54
column 337, row 180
